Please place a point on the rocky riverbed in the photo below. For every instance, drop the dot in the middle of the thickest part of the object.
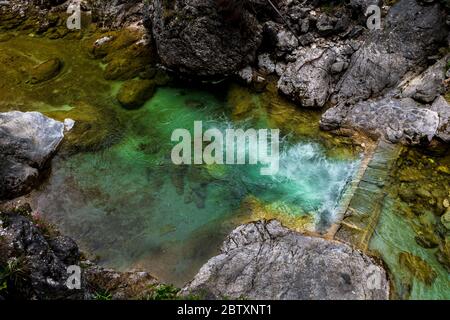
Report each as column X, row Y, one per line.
column 365, row 116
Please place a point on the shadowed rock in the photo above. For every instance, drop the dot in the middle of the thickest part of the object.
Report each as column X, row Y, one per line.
column 200, row 37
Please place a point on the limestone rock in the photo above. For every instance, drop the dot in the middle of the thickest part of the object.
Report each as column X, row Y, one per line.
column 307, row 80
column 430, row 84
column 442, row 107
column 27, row 142
column 264, row 260
column 410, row 33
column 400, row 120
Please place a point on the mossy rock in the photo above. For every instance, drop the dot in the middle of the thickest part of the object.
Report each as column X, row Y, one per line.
column 45, row 71
column 418, row 267
column 118, row 40
column 128, row 63
column 134, row 93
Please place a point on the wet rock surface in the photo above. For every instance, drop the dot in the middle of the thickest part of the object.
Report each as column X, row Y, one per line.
column 264, row 260
column 134, row 93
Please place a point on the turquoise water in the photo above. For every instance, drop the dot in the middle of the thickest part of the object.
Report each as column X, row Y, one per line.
column 133, row 208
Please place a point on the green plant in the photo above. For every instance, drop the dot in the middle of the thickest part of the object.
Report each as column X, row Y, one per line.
column 164, row 292
column 13, row 273
column 102, row 295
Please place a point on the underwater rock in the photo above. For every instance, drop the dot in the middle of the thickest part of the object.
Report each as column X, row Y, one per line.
column 264, row 260
column 445, row 219
column 205, row 38
column 27, row 142
column 397, row 120
column 45, row 71
column 443, row 254
column 134, row 93
column 128, row 63
column 418, row 267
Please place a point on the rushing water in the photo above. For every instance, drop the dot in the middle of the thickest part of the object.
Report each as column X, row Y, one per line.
column 132, row 207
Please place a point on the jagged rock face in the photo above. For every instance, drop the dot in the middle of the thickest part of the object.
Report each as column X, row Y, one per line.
column 116, row 13
column 205, row 37
column 43, row 263
column 264, row 260
column 397, row 120
column 427, row 86
column 442, row 107
column 410, row 33
column 27, row 142
column 309, row 79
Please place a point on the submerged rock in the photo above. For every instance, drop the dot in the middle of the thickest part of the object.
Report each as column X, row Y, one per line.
column 264, row 260
column 27, row 142
column 45, row 71
column 418, row 267
column 134, row 93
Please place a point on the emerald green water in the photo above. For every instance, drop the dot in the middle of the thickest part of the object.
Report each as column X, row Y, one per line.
column 132, row 207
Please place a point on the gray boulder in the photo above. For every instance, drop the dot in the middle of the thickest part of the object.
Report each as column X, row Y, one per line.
column 442, row 107
column 410, row 32
column 427, row 86
column 398, row 120
column 264, row 260
column 308, row 80
column 205, row 37
column 27, row 142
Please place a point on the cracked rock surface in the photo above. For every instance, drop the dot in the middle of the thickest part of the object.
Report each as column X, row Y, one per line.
column 264, row 260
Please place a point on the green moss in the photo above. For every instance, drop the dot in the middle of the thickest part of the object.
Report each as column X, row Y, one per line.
column 134, row 93
column 163, row 292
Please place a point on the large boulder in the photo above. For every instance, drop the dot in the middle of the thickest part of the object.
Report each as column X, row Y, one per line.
column 205, row 37
column 308, row 79
column 27, row 142
column 427, row 86
column 264, row 260
column 410, row 33
column 442, row 107
column 397, row 120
